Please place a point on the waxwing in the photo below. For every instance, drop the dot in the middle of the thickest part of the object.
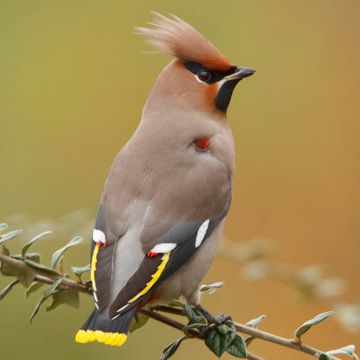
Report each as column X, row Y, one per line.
column 169, row 189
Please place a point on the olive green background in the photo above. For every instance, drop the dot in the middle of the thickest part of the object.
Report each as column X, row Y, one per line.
column 73, row 80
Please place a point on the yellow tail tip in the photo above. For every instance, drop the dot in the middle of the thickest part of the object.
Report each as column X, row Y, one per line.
column 108, row 338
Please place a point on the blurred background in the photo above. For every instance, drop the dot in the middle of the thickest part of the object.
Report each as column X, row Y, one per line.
column 74, row 79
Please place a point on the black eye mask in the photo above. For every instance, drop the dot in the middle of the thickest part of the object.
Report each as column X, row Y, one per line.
column 207, row 75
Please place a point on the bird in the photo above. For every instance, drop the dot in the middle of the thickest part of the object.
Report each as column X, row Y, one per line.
column 162, row 210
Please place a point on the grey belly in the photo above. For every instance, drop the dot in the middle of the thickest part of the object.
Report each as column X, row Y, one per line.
column 186, row 281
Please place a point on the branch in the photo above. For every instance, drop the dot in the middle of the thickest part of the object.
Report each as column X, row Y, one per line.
column 65, row 283
column 43, row 277
column 244, row 329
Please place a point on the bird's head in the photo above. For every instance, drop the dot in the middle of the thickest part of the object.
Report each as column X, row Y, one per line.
column 200, row 78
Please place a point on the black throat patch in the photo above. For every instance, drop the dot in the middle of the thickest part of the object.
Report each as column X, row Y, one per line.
column 223, row 97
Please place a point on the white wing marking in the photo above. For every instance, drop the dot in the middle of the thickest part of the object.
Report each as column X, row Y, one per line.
column 99, row 236
column 201, row 233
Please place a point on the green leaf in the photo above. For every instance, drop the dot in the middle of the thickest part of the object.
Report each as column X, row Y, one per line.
column 45, row 295
column 52, row 288
column 26, row 278
column 58, row 253
column 69, row 297
column 346, row 350
column 78, row 271
column 306, row 326
column 9, row 235
column 223, row 329
column 197, row 322
column 217, row 342
column 37, row 308
column 35, row 286
column 33, row 241
column 60, row 265
column 3, row 251
column 10, row 270
column 238, row 347
column 29, row 256
column 171, row 349
column 211, row 288
column 138, row 321
column 7, row 289
column 190, row 313
column 41, row 267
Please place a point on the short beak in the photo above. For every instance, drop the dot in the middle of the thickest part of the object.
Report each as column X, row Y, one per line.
column 240, row 73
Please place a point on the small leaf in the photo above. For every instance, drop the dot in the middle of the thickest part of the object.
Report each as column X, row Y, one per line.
column 60, row 265
column 69, row 297
column 4, row 250
column 254, row 323
column 41, row 267
column 9, row 235
column 223, row 329
column 78, row 271
column 58, row 253
column 190, row 313
column 346, row 350
column 301, row 330
column 197, row 322
column 35, row 286
column 249, row 340
column 46, row 293
column 33, row 241
column 52, row 288
column 217, row 342
column 29, row 256
column 26, row 278
column 7, row 289
column 37, row 308
column 171, row 349
column 211, row 288
column 138, row 321
column 238, row 347
column 10, row 270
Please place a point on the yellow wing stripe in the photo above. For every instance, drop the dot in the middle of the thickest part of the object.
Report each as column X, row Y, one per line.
column 108, row 338
column 154, row 278
column 93, row 265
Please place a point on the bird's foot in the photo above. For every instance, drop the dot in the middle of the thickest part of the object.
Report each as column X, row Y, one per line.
column 212, row 319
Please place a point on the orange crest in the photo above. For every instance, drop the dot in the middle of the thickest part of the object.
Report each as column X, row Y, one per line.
column 175, row 37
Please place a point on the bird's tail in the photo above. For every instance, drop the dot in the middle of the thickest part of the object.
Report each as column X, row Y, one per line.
column 98, row 327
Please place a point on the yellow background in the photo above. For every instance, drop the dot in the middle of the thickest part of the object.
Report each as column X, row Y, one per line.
column 73, row 80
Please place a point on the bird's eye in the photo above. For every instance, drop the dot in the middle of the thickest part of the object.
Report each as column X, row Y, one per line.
column 204, row 75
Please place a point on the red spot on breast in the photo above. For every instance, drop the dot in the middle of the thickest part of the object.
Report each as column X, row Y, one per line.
column 202, row 143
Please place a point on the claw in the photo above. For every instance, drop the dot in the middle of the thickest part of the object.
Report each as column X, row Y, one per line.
column 217, row 320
